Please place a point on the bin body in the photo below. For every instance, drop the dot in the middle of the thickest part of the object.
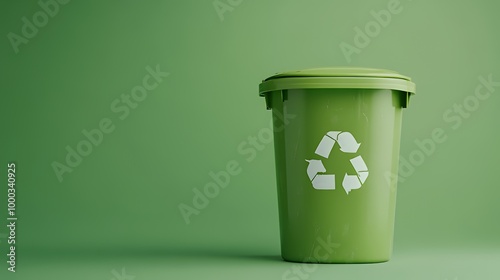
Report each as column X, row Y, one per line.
column 336, row 156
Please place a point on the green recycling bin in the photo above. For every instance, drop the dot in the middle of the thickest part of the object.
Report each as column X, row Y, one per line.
column 336, row 138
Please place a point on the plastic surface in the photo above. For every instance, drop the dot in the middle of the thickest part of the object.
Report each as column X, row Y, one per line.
column 336, row 154
column 341, row 72
column 360, row 78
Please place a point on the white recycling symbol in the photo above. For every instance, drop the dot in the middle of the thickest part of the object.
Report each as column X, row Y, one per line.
column 347, row 144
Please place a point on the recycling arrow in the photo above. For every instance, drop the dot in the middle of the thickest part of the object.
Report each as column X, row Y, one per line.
column 347, row 144
column 346, row 141
column 319, row 181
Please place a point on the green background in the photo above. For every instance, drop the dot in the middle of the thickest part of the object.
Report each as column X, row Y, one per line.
column 119, row 207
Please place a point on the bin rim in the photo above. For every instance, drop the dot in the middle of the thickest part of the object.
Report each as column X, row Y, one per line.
column 337, row 78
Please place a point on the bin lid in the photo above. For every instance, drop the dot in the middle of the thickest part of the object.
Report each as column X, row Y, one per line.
column 338, row 77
